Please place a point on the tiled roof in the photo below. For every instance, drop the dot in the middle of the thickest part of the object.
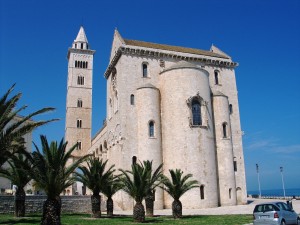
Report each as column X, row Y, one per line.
column 173, row 48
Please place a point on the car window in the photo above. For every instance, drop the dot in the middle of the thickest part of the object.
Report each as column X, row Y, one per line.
column 280, row 205
column 286, row 207
column 269, row 208
column 265, row 208
column 259, row 208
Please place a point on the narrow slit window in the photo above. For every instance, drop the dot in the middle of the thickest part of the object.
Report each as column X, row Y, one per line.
column 230, row 193
column 230, row 108
column 131, row 99
column 86, row 64
column 202, row 192
column 134, row 160
column 224, row 126
column 145, row 70
column 79, row 123
column 81, row 46
column 235, row 166
column 78, row 145
column 151, row 129
column 217, row 77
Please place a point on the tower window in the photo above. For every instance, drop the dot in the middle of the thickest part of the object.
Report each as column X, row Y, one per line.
column 79, row 123
column 217, row 77
column 131, row 99
column 75, row 45
column 202, row 191
column 75, row 63
column 86, row 65
column 80, row 80
column 134, row 160
column 230, row 193
column 87, row 46
column 196, row 111
column 78, row 145
column 101, row 148
column 79, row 103
column 230, row 108
column 151, row 129
column 81, row 46
column 145, row 70
column 235, row 166
column 225, row 133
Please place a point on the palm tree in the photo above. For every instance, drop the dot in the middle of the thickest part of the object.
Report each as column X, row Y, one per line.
column 52, row 172
column 112, row 186
column 14, row 127
column 18, row 174
column 137, row 184
column 177, row 187
column 94, row 176
column 155, row 179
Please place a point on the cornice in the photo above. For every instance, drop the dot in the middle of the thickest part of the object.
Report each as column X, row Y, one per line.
column 80, row 51
column 130, row 50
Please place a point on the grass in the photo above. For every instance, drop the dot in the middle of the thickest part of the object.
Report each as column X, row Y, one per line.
column 85, row 219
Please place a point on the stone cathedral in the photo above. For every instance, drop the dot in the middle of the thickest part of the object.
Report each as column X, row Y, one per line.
column 173, row 105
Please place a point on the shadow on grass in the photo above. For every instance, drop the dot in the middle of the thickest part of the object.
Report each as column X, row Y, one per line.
column 20, row 221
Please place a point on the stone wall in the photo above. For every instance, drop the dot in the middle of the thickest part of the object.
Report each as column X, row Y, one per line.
column 34, row 204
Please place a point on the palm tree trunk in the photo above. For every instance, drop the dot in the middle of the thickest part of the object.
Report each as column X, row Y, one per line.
column 139, row 212
column 96, row 204
column 20, row 202
column 149, row 200
column 110, row 207
column 177, row 209
column 51, row 211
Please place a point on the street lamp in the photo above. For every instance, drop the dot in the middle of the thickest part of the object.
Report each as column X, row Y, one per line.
column 257, row 170
column 281, row 171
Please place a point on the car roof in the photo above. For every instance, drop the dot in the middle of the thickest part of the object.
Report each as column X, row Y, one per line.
column 265, row 203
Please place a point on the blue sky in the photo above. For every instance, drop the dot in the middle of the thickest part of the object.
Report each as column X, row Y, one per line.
column 263, row 36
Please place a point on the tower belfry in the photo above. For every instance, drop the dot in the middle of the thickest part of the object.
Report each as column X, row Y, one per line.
column 79, row 95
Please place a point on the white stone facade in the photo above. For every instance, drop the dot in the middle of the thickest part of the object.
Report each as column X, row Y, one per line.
column 176, row 106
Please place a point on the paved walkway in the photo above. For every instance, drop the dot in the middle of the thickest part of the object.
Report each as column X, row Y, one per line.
column 239, row 209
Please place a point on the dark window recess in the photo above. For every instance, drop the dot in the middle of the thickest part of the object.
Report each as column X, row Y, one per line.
column 196, row 111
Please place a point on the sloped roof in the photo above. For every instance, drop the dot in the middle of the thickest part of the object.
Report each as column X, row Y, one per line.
column 81, row 37
column 173, row 48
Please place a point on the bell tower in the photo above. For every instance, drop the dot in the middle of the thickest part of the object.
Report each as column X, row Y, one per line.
column 79, row 95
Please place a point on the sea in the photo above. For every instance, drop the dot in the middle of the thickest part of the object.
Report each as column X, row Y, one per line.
column 277, row 192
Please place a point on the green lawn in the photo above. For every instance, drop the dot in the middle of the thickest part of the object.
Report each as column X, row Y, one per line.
column 85, row 219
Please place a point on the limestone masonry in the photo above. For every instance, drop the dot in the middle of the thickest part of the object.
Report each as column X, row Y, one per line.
column 173, row 105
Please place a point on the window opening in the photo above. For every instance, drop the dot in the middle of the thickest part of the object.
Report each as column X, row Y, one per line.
column 79, row 103
column 235, row 166
column 145, row 70
column 81, row 46
column 151, row 129
column 78, row 145
column 131, row 99
column 229, row 193
column 196, row 111
column 216, row 77
column 79, row 123
column 230, row 108
column 224, row 125
column 202, row 192
column 134, row 160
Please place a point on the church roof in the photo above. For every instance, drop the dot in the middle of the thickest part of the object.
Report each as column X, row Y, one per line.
column 81, row 37
column 174, row 48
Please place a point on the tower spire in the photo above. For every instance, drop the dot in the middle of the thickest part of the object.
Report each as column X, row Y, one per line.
column 81, row 41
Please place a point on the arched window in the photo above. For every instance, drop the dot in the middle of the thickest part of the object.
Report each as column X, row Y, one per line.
column 224, row 127
column 81, row 46
column 202, row 191
column 86, row 64
column 80, row 64
column 134, row 160
column 105, row 145
column 79, row 123
column 145, row 70
column 79, row 103
column 196, row 111
column 230, row 108
column 151, row 129
column 101, row 148
column 76, row 64
column 78, row 145
column 230, row 193
column 217, row 77
column 131, row 99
